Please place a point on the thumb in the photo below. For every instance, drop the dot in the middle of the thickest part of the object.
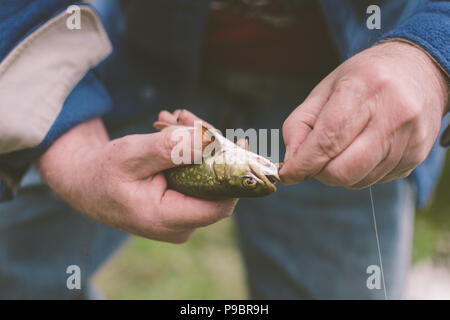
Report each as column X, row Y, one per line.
column 302, row 120
column 144, row 155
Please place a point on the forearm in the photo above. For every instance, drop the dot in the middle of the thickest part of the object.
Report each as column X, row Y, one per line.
column 70, row 159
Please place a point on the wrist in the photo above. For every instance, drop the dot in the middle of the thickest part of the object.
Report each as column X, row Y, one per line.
column 433, row 71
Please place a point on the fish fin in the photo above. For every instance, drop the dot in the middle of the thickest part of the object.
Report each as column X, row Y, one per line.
column 211, row 141
column 207, row 137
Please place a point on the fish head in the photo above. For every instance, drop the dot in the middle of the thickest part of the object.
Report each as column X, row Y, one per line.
column 247, row 174
column 239, row 172
column 262, row 171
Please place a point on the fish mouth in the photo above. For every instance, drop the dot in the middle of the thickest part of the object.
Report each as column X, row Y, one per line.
column 269, row 179
column 273, row 179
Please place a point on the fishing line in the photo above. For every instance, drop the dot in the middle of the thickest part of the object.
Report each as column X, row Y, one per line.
column 378, row 243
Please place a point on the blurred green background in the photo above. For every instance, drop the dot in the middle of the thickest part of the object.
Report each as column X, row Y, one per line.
column 209, row 265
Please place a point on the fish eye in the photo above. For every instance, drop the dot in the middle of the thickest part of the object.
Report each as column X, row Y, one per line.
column 250, row 182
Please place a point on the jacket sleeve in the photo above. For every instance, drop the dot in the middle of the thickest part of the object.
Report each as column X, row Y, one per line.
column 47, row 85
column 429, row 29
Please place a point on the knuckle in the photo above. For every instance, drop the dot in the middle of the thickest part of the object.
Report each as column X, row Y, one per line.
column 346, row 181
column 406, row 174
column 380, row 75
column 418, row 157
column 420, row 136
column 287, row 127
column 328, row 142
column 375, row 78
column 347, row 83
column 340, row 176
column 410, row 109
column 352, row 83
column 166, row 143
column 306, row 118
column 327, row 180
column 364, row 183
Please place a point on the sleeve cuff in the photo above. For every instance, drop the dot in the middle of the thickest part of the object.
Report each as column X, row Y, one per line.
column 88, row 100
column 430, row 29
column 37, row 76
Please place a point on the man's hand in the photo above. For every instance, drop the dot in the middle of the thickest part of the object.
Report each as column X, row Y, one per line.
column 373, row 119
column 120, row 183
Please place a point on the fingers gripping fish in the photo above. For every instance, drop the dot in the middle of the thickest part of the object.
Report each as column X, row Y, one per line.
column 226, row 171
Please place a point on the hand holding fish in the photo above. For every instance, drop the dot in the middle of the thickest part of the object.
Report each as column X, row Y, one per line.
column 224, row 169
column 373, row 119
column 119, row 183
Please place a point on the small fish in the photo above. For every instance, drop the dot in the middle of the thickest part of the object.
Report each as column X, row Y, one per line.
column 228, row 172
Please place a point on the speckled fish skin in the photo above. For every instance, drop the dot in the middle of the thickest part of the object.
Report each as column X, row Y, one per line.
column 221, row 176
column 198, row 180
